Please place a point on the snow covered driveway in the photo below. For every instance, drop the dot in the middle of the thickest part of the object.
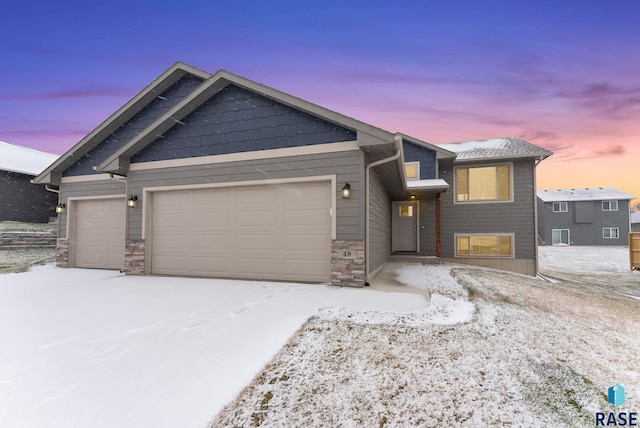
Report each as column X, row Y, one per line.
column 91, row 348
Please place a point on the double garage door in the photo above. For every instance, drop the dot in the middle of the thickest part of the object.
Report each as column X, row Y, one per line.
column 277, row 232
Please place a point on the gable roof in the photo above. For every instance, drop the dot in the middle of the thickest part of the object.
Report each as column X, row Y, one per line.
column 52, row 174
column 118, row 162
column 496, row 148
column 24, row 160
column 584, row 194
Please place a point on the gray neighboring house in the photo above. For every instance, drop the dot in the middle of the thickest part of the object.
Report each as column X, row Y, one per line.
column 584, row 216
column 19, row 199
column 635, row 221
column 215, row 175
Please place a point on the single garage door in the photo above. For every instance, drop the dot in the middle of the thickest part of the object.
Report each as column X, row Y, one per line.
column 273, row 232
column 99, row 229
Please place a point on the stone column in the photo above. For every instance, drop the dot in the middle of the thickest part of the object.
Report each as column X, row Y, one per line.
column 134, row 257
column 347, row 263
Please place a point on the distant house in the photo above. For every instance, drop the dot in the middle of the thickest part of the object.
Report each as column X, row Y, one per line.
column 587, row 216
column 19, row 199
column 215, row 175
column 635, row 221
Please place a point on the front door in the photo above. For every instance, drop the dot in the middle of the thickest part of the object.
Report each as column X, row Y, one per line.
column 405, row 226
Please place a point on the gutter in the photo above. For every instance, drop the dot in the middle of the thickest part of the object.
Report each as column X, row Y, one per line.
column 535, row 208
column 397, row 142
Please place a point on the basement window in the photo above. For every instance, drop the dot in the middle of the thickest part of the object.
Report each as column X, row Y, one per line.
column 610, row 232
column 500, row 245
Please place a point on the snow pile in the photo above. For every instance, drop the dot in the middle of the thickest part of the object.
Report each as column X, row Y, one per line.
column 495, row 148
column 23, row 159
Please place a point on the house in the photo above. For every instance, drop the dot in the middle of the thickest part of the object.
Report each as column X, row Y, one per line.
column 584, row 216
column 216, row 175
column 635, row 221
column 19, row 199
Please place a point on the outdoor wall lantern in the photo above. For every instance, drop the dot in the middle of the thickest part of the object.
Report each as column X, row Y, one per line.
column 346, row 191
column 60, row 208
column 131, row 202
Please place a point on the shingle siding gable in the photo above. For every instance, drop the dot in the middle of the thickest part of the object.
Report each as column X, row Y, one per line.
column 427, row 159
column 237, row 120
column 149, row 114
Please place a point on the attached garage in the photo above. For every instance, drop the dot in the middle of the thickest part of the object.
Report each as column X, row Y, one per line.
column 98, row 233
column 278, row 231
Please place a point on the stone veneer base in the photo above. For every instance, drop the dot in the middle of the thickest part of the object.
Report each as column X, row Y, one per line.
column 62, row 253
column 134, row 257
column 347, row 263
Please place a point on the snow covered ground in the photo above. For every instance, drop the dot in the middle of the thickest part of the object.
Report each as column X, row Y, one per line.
column 91, row 348
column 94, row 348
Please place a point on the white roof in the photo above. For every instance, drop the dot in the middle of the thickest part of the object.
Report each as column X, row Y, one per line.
column 23, row 159
column 584, row 194
column 434, row 183
column 496, row 148
column 635, row 217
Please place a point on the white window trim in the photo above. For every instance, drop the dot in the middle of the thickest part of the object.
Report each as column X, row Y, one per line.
column 560, row 204
column 610, row 202
column 568, row 236
column 617, row 229
column 417, row 165
column 455, row 245
column 490, row 201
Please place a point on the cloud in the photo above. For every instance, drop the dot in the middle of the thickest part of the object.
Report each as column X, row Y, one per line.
column 91, row 92
column 608, row 151
column 613, row 101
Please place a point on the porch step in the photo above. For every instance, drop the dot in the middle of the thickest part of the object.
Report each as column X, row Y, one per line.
column 408, row 258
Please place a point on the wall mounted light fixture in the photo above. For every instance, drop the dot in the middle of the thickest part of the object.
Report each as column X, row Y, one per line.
column 131, row 202
column 60, row 208
column 346, row 191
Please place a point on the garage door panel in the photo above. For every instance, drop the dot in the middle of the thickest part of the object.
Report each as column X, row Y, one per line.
column 98, row 235
column 245, row 232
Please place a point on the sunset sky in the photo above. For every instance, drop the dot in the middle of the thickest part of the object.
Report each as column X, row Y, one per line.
column 564, row 75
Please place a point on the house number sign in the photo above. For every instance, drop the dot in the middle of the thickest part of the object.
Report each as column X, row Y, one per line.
column 347, row 254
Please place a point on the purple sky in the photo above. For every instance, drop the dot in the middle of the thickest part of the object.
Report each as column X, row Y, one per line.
column 561, row 74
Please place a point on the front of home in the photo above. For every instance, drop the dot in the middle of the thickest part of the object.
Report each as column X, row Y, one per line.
column 584, row 216
column 215, row 175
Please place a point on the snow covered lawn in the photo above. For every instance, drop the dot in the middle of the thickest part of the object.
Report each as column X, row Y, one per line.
column 534, row 353
column 90, row 348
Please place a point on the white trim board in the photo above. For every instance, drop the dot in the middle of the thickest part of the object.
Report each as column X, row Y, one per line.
column 248, row 156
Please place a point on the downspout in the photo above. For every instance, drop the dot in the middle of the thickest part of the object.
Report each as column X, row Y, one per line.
column 52, row 190
column 397, row 142
column 535, row 207
column 124, row 180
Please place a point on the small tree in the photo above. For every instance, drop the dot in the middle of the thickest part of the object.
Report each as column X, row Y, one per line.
column 635, row 207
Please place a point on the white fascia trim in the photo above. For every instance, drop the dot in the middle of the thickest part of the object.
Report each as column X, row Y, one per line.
column 148, row 191
column 248, row 156
column 84, row 178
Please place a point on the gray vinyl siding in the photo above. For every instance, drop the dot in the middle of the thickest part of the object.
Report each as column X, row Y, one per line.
column 236, row 120
column 379, row 224
column 585, row 221
column 22, row 201
column 517, row 217
column 149, row 114
column 427, row 211
column 86, row 189
column 347, row 166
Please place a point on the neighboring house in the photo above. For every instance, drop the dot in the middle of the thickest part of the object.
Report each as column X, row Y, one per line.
column 226, row 177
column 588, row 216
column 19, row 199
column 635, row 221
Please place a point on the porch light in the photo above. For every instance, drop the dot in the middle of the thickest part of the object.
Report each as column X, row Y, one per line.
column 346, row 191
column 412, row 197
column 60, row 208
column 131, row 202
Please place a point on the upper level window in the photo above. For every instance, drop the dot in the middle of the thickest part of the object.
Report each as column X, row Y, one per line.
column 609, row 205
column 560, row 207
column 412, row 170
column 485, row 183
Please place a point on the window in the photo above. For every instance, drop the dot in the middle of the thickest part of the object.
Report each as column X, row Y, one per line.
column 610, row 206
column 487, row 183
column 560, row 207
column 405, row 210
column 610, row 233
column 412, row 170
column 560, row 237
column 484, row 245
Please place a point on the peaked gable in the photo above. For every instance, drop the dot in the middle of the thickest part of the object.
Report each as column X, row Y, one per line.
column 238, row 120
